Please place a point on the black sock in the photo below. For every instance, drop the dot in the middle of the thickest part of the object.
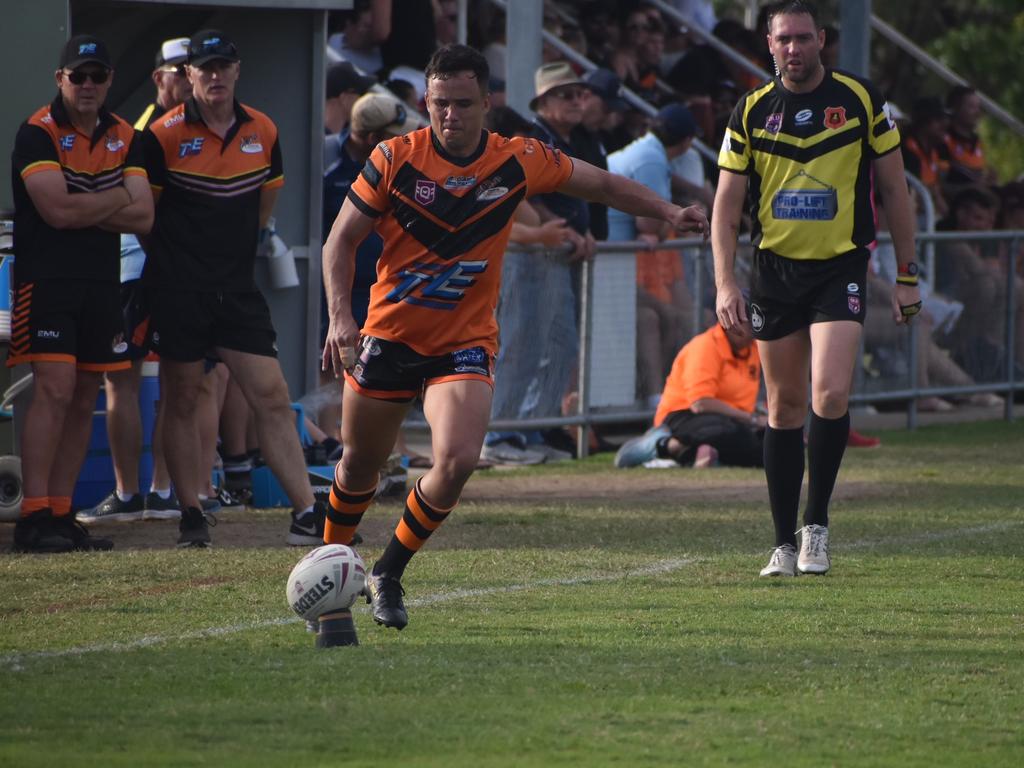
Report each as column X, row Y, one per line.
column 784, row 470
column 826, row 444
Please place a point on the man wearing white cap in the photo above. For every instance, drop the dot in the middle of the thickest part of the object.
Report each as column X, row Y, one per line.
column 171, row 80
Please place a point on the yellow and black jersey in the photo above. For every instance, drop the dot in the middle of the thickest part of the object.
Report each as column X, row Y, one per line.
column 207, row 217
column 49, row 142
column 808, row 156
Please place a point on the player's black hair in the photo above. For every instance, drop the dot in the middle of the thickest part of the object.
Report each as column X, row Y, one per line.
column 794, row 7
column 450, row 59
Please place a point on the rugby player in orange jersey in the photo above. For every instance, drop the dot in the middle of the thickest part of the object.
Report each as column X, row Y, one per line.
column 442, row 198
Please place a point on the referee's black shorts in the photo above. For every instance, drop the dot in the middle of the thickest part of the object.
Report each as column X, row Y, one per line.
column 789, row 294
column 188, row 325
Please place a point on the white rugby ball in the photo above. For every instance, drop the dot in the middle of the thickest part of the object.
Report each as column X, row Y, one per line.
column 329, row 578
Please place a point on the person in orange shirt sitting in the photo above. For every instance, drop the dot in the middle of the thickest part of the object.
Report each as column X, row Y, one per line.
column 707, row 413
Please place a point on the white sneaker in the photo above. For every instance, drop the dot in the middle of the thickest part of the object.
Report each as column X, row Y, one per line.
column 813, row 550
column 505, row 453
column 783, row 562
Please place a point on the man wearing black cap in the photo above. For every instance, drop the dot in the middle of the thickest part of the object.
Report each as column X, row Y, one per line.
column 215, row 167
column 602, row 106
column 78, row 181
column 663, row 325
column 344, row 85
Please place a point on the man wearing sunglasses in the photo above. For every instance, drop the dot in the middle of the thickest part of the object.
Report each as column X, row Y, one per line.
column 215, row 168
column 79, row 181
column 124, row 420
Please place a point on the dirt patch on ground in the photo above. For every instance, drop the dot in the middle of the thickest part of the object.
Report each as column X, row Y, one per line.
column 268, row 528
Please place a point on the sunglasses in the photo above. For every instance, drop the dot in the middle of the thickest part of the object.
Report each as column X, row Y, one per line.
column 571, row 93
column 77, row 77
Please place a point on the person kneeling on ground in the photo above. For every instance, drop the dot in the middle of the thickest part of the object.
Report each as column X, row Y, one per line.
column 707, row 412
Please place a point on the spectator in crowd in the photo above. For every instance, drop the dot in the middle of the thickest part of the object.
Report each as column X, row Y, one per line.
column 707, row 413
column 200, row 269
column 124, row 421
column 436, row 340
column 375, row 117
column 408, row 34
column 663, row 311
column 66, row 317
column 524, row 289
column 966, row 153
column 362, row 30
column 559, row 107
column 625, row 61
column 599, row 29
column 975, row 273
column 924, row 148
column 887, row 342
column 601, row 105
column 343, row 85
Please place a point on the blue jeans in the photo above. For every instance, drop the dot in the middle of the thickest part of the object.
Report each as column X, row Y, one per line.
column 539, row 340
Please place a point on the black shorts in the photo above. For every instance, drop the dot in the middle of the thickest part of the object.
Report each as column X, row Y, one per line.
column 188, row 325
column 136, row 320
column 71, row 321
column 387, row 370
column 789, row 294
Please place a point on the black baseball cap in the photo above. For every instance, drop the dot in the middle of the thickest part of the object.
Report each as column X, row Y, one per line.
column 608, row 86
column 342, row 77
column 209, row 44
column 82, row 49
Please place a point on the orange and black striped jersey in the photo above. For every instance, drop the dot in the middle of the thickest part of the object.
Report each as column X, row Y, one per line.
column 207, row 217
column 445, row 222
column 48, row 141
column 808, row 156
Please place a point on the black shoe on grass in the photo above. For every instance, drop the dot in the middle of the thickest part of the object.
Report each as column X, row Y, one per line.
column 193, row 530
column 384, row 594
column 39, row 533
column 81, row 539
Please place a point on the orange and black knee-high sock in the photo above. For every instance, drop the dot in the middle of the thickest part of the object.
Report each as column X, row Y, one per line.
column 345, row 510
column 419, row 520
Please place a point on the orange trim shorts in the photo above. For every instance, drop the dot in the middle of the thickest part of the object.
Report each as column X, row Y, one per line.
column 69, row 321
column 388, row 370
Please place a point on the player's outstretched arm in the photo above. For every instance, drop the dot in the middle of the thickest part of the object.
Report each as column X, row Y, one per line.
column 339, row 258
column 628, row 196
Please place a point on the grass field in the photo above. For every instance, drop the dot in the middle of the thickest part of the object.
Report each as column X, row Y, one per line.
column 574, row 615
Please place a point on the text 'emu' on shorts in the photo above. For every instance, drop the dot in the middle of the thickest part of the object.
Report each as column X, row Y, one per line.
column 68, row 321
column 388, row 370
column 789, row 294
column 188, row 325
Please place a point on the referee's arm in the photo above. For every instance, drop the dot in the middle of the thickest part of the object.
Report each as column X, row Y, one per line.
column 725, row 228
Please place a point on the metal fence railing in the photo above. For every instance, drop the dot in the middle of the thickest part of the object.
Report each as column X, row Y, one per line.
column 1008, row 244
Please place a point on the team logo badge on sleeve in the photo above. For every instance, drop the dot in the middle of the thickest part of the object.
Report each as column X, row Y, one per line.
column 426, row 191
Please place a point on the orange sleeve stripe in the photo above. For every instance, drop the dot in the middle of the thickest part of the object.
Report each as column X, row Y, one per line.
column 274, row 183
column 40, row 358
column 104, row 367
column 42, row 165
column 134, row 170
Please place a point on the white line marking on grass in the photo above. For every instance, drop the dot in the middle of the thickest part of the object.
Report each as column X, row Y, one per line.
column 14, row 660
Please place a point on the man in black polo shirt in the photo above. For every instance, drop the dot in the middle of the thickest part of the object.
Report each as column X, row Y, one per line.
column 78, row 181
column 215, row 167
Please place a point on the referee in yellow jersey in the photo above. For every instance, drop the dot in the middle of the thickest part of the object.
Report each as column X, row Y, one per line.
column 813, row 147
